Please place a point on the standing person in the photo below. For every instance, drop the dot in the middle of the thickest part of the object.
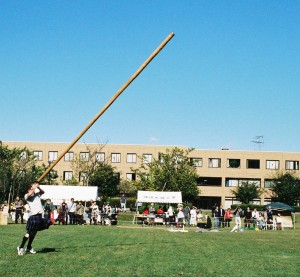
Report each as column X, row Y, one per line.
column 193, row 220
column 63, row 213
column 18, row 209
column 79, row 213
column 48, row 208
column 255, row 216
column 123, row 202
column 180, row 217
column 71, row 212
column 228, row 217
column 94, row 212
column 186, row 212
column 216, row 215
column 171, row 215
column 221, row 217
column 248, row 217
column 35, row 222
column 238, row 221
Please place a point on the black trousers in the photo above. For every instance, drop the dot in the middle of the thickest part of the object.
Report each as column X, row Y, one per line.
column 19, row 213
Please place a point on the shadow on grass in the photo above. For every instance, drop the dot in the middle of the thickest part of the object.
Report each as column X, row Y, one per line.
column 47, row 250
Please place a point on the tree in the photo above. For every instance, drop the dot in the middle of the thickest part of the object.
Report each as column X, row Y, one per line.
column 172, row 171
column 128, row 187
column 17, row 170
column 106, row 179
column 86, row 164
column 286, row 188
column 247, row 192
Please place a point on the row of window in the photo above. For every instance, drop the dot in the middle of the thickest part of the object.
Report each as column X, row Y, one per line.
column 202, row 181
column 198, row 162
column 250, row 163
column 68, row 175
column 234, row 182
column 100, row 157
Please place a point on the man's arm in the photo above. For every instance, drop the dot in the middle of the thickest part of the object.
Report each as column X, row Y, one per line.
column 40, row 189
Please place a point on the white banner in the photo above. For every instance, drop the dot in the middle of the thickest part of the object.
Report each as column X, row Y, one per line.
column 159, row 196
column 79, row 193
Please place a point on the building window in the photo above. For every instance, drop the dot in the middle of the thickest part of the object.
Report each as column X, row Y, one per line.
column 131, row 158
column 52, row 156
column 197, row 162
column 38, row 155
column 131, row 176
column 69, row 156
column 82, row 177
column 84, row 156
column 215, row 163
column 292, row 165
column 117, row 175
column 254, row 164
column 161, row 157
column 147, row 158
column 269, row 183
column 236, row 182
column 100, row 157
column 115, row 157
column 68, row 175
column 233, row 163
column 232, row 182
column 23, row 155
column 272, row 164
column 210, row 181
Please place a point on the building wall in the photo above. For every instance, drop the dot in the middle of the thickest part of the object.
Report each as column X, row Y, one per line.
column 213, row 181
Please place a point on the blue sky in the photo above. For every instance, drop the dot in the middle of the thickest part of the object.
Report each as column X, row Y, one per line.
column 231, row 72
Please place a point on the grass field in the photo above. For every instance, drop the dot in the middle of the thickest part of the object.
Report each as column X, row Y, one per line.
column 132, row 250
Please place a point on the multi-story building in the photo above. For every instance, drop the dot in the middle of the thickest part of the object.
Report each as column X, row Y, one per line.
column 220, row 171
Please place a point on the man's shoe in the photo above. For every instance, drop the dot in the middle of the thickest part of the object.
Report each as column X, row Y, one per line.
column 30, row 251
column 20, row 251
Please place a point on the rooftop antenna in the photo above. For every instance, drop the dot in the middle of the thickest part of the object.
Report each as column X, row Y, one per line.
column 258, row 141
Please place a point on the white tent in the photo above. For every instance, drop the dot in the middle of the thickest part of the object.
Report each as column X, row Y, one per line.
column 79, row 193
column 159, row 196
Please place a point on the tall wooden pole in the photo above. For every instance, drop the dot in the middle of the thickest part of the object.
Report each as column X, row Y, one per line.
column 109, row 103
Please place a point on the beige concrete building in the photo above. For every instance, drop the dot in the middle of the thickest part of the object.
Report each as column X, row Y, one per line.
column 220, row 171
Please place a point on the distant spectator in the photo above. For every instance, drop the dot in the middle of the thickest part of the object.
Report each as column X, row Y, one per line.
column 248, row 217
column 159, row 210
column 278, row 222
column 186, row 212
column 228, row 217
column 123, row 202
column 238, row 221
column 48, row 208
column 18, row 204
column 255, row 216
column 193, row 213
column 216, row 215
column 71, row 211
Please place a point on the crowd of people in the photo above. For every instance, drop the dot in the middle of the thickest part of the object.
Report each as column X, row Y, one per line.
column 79, row 213
column 68, row 212
column 220, row 218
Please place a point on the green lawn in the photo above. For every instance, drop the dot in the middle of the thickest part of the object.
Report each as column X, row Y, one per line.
column 132, row 250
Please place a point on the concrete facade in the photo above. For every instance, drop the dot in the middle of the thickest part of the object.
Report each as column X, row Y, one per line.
column 220, row 171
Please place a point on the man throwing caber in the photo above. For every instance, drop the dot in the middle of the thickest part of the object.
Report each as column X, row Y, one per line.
column 35, row 222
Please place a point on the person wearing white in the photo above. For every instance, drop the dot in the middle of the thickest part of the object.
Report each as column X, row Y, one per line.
column 193, row 219
column 71, row 212
column 238, row 220
column 255, row 217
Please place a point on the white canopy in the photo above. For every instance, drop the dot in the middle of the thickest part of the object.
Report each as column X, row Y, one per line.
column 79, row 193
column 159, row 196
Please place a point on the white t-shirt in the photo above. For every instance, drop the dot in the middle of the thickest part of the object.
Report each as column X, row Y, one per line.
column 35, row 204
